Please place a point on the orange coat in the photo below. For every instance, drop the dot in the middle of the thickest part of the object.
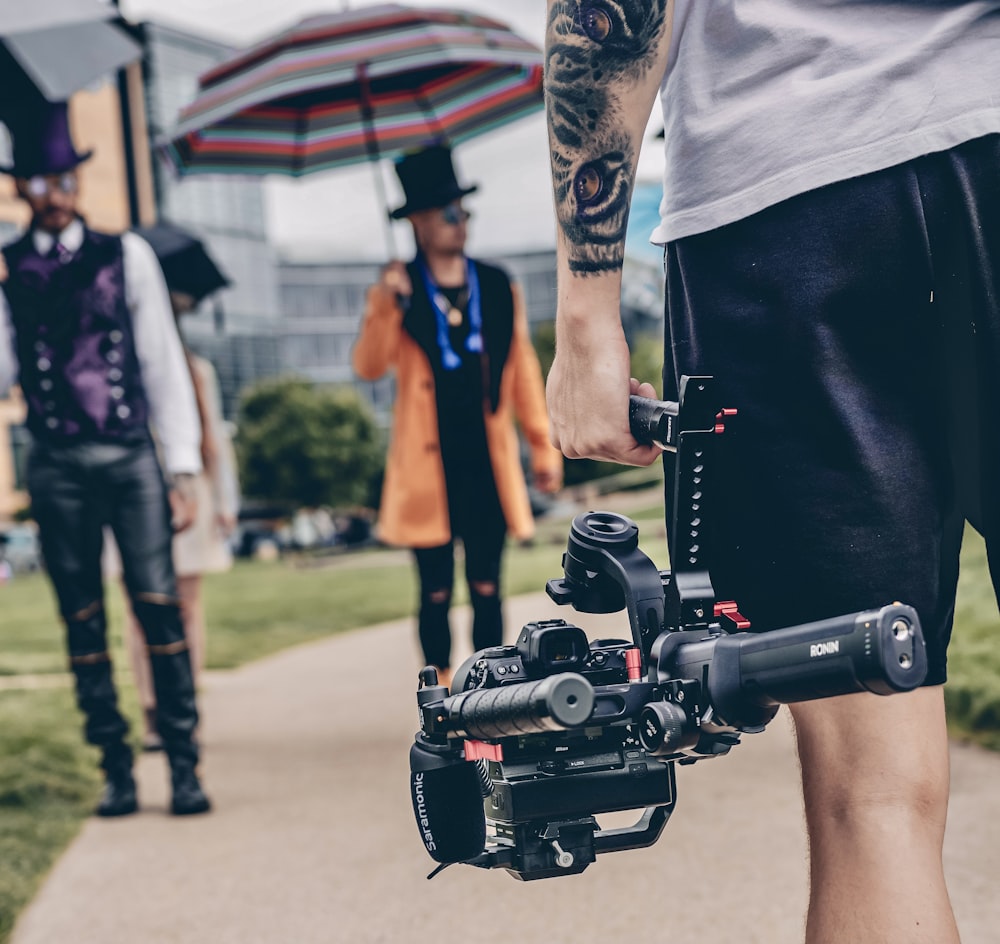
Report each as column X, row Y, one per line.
column 414, row 510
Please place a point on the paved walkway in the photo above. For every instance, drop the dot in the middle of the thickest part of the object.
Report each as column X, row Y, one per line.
column 313, row 840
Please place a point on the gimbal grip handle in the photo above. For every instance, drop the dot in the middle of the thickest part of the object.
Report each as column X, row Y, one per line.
column 554, row 703
column 880, row 651
column 653, row 421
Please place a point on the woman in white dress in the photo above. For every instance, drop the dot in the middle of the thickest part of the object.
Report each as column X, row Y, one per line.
column 202, row 548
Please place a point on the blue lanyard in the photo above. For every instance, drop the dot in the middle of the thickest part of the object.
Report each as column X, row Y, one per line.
column 474, row 342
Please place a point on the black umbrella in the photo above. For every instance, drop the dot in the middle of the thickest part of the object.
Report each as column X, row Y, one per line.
column 54, row 48
column 187, row 266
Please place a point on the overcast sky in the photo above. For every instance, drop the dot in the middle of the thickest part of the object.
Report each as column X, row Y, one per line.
column 338, row 211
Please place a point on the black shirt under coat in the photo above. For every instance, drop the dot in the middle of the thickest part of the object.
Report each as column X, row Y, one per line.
column 464, row 395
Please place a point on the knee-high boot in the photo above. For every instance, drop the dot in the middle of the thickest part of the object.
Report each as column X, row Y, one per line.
column 90, row 662
column 173, row 682
column 176, row 711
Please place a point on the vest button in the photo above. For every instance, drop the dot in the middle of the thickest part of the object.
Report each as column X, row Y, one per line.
column 114, row 357
column 44, row 364
column 114, row 374
column 52, row 422
column 116, row 336
column 117, row 393
column 123, row 412
column 46, row 384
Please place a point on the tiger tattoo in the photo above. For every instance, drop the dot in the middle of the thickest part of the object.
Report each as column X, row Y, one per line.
column 592, row 46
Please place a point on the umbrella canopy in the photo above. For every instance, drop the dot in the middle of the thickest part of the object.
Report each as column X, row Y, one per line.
column 54, row 48
column 367, row 83
column 187, row 266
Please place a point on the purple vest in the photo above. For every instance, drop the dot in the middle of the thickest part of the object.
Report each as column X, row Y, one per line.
column 75, row 346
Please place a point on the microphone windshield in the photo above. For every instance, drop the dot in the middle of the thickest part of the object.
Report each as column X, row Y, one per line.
column 447, row 804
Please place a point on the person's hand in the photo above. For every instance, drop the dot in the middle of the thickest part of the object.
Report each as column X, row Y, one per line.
column 587, row 393
column 547, row 480
column 396, row 279
column 226, row 523
column 183, row 502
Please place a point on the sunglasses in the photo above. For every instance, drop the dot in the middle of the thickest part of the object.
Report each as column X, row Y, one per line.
column 43, row 186
column 454, row 213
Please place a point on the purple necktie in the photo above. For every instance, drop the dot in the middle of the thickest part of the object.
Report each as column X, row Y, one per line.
column 60, row 252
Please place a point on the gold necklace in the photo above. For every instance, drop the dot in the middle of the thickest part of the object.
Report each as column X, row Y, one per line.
column 454, row 314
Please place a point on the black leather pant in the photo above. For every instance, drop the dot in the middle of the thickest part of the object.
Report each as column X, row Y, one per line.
column 75, row 492
column 436, row 569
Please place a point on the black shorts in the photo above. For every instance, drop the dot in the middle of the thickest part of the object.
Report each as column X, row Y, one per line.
column 856, row 329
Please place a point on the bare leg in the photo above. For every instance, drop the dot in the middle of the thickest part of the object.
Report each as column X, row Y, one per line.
column 193, row 615
column 138, row 654
column 875, row 779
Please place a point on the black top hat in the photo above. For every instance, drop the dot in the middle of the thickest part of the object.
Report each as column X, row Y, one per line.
column 428, row 179
column 42, row 142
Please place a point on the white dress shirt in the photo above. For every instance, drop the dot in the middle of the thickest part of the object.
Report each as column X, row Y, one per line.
column 166, row 377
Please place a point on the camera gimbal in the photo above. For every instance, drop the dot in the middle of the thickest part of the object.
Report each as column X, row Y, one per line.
column 542, row 736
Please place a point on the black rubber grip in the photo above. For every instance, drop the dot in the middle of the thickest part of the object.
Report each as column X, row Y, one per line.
column 555, row 703
column 653, row 421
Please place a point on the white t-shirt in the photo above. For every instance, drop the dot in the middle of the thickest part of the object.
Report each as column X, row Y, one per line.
column 766, row 99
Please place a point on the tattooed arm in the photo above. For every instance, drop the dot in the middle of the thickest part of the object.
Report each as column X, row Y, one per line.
column 604, row 60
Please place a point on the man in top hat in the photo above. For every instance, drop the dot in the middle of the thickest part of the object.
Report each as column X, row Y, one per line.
column 456, row 333
column 87, row 330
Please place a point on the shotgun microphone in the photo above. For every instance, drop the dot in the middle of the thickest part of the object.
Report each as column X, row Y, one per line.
column 447, row 802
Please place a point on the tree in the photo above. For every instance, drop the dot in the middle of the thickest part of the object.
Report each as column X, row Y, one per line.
column 302, row 445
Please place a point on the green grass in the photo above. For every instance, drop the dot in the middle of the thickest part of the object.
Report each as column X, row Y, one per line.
column 48, row 785
column 48, row 776
column 973, row 690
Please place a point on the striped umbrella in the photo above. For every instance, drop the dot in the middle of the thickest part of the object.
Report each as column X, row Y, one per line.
column 366, row 83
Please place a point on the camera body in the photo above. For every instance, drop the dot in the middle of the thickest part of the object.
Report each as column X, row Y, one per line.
column 541, row 737
column 547, row 787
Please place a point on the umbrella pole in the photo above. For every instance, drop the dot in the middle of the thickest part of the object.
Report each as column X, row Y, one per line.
column 371, row 143
column 390, row 235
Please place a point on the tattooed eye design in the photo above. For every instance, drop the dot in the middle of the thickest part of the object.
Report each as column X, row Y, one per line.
column 601, row 196
column 592, row 43
column 596, row 22
column 623, row 30
column 588, row 185
column 596, row 50
column 592, row 202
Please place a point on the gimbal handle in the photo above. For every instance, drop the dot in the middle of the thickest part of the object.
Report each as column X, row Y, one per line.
column 604, row 571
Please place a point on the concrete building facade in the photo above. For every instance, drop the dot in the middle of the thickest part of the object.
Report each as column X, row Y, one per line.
column 237, row 328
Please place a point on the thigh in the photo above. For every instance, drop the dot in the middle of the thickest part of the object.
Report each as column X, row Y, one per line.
column 140, row 520
column 869, row 752
column 435, row 568
column 833, row 491
column 484, row 551
column 70, row 512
